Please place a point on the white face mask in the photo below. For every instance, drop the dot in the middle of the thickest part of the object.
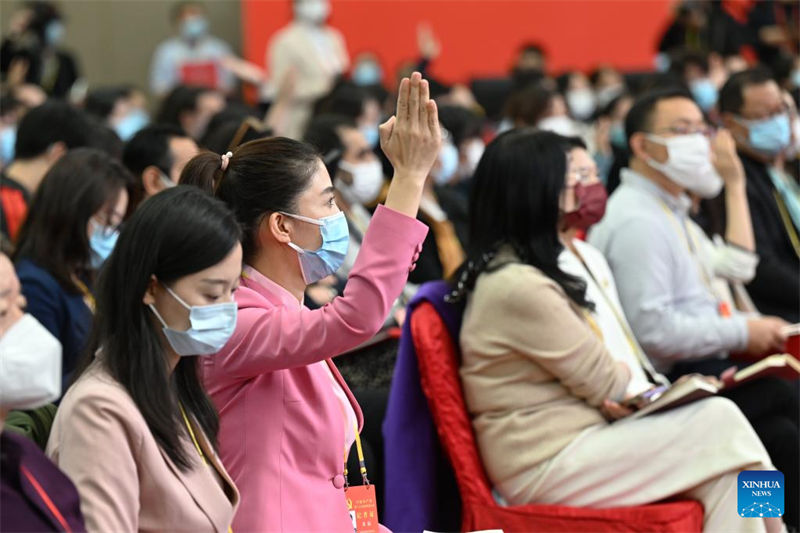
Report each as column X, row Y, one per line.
column 313, row 11
column 30, row 366
column 581, row 103
column 689, row 163
column 563, row 125
column 474, row 152
column 367, row 181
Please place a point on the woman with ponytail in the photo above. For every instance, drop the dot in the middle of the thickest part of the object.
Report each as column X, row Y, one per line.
column 540, row 385
column 287, row 419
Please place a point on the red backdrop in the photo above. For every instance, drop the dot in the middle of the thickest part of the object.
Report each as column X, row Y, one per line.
column 480, row 37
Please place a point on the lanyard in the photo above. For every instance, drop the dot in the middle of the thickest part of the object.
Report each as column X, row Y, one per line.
column 191, row 434
column 362, row 466
column 87, row 294
column 640, row 355
column 694, row 250
column 787, row 223
column 196, row 444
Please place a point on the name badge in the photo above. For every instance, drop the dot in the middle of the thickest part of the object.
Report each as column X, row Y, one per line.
column 362, row 504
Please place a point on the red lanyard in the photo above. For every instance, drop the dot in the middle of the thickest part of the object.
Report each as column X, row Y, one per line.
column 46, row 499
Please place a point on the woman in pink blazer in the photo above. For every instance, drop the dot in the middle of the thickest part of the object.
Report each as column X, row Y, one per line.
column 136, row 431
column 287, row 417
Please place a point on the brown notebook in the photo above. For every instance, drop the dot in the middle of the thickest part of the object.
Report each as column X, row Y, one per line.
column 696, row 387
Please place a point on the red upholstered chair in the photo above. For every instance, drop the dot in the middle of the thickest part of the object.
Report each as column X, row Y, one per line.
column 438, row 361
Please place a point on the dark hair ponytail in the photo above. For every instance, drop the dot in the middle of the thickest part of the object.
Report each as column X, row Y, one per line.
column 514, row 202
column 203, row 171
column 263, row 176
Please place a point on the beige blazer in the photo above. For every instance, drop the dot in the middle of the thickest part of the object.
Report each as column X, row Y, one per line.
column 315, row 57
column 125, row 481
column 533, row 370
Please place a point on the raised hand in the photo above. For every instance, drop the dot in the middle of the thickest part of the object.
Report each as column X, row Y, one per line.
column 411, row 139
column 725, row 158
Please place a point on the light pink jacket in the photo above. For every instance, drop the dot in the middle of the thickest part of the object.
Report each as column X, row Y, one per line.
column 282, row 433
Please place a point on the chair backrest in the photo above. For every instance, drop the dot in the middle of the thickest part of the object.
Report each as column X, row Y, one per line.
column 438, row 361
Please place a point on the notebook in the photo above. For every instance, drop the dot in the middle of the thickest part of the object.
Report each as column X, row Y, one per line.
column 696, row 387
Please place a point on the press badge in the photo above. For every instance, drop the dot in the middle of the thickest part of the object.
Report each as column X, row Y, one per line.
column 362, row 505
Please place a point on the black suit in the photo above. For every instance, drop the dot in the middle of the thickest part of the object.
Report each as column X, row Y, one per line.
column 776, row 288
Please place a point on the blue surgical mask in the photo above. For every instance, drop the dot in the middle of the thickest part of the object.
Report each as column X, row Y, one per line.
column 318, row 264
column 194, row 28
column 372, row 134
column 131, row 124
column 770, row 135
column 448, row 164
column 102, row 242
column 211, row 327
column 617, row 136
column 704, row 93
column 8, row 138
column 367, row 73
column 54, row 33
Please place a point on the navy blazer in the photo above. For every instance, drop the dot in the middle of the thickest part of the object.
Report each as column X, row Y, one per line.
column 34, row 494
column 63, row 313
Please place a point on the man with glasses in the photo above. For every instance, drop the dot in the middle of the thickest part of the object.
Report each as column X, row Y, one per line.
column 753, row 108
column 655, row 253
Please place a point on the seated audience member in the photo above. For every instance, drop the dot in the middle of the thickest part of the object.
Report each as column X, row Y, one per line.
column 356, row 103
column 32, row 51
column 122, row 108
column 581, row 260
column 610, row 145
column 541, row 387
column 692, row 69
column 290, row 466
column 442, row 252
column 31, row 361
column 156, row 157
column 577, row 91
column 135, row 432
column 654, row 252
column 752, row 108
column 70, row 231
column 44, row 134
column 229, row 134
column 355, row 171
column 608, row 84
column 191, row 109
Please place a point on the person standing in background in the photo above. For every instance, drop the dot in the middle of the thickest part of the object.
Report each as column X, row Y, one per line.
column 31, row 51
column 195, row 57
column 308, row 55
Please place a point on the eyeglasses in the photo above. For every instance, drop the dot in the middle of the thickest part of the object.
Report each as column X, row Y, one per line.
column 706, row 131
column 581, row 175
column 105, row 227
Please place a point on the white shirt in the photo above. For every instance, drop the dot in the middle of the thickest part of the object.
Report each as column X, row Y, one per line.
column 671, row 308
column 608, row 315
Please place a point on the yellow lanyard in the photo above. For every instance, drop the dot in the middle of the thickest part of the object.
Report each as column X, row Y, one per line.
column 691, row 244
column 787, row 222
column 622, row 324
column 87, row 294
column 191, row 434
column 196, row 444
column 362, row 465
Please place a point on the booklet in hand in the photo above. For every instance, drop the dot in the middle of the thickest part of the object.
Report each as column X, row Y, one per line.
column 695, row 387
